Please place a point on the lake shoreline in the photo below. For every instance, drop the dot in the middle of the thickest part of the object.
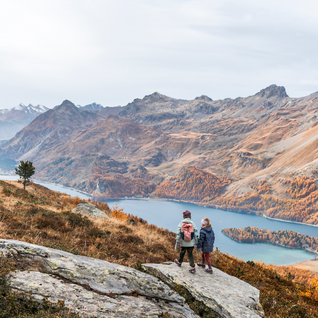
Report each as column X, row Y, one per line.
column 150, row 208
column 168, row 199
column 172, row 200
column 217, row 207
column 277, row 244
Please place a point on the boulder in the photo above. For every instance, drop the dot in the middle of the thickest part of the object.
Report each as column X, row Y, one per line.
column 220, row 293
column 96, row 287
column 89, row 303
column 90, row 210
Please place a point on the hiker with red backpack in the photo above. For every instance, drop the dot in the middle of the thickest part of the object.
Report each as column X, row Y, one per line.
column 187, row 237
column 205, row 244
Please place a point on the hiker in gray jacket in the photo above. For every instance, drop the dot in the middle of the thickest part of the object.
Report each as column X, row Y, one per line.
column 187, row 237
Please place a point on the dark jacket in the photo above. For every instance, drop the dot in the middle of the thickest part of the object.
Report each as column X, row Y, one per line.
column 206, row 239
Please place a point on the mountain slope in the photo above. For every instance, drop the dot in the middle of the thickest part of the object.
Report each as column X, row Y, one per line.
column 130, row 150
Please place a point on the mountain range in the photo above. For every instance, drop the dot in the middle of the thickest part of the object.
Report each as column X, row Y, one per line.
column 14, row 119
column 136, row 149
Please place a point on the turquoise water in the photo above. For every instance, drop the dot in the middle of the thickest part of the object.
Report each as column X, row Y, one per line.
column 167, row 214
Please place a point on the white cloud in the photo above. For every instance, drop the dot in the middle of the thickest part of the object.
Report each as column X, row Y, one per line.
column 114, row 51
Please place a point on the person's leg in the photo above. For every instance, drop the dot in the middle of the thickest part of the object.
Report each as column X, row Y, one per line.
column 207, row 259
column 202, row 263
column 208, row 267
column 181, row 255
column 204, row 258
column 190, row 256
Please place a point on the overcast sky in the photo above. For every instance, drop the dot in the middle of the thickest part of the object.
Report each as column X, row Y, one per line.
column 111, row 52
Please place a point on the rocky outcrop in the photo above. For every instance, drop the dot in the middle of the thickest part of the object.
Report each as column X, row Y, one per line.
column 92, row 287
column 96, row 288
column 90, row 210
column 219, row 293
column 88, row 303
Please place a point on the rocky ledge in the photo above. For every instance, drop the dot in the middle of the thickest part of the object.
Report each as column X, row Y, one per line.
column 91, row 287
column 96, row 288
column 220, row 293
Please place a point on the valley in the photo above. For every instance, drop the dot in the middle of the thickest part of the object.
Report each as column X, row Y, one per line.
column 255, row 155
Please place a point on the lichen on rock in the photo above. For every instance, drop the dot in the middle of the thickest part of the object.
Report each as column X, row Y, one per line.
column 220, row 294
column 103, row 289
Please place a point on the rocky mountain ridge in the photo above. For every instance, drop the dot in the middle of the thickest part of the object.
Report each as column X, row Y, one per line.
column 14, row 119
column 267, row 136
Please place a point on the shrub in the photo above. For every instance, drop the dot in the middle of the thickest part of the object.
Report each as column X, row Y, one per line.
column 77, row 220
column 6, row 191
column 96, row 232
column 52, row 222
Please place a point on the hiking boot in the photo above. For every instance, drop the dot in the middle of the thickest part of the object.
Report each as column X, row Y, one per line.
column 192, row 270
column 201, row 264
column 209, row 270
column 177, row 262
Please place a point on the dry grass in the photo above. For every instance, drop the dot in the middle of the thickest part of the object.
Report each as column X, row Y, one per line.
column 128, row 240
column 45, row 218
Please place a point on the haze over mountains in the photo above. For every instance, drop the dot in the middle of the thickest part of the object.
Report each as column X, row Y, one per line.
column 130, row 150
column 14, row 119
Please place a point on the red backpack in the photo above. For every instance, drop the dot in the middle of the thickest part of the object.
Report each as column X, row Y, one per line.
column 187, row 232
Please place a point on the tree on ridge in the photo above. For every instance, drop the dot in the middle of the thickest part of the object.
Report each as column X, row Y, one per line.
column 25, row 170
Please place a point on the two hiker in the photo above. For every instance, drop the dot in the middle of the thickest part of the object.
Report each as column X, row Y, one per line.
column 187, row 237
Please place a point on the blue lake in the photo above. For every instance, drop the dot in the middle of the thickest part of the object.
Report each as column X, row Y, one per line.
column 168, row 214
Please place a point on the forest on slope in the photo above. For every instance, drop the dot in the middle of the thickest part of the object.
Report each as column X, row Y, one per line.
column 286, row 238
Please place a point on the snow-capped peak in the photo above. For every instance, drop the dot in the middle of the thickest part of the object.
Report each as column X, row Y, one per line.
column 26, row 109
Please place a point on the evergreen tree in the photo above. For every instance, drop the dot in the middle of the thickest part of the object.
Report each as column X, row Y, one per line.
column 25, row 170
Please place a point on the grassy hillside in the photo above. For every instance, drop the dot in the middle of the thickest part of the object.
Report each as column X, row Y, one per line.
column 44, row 217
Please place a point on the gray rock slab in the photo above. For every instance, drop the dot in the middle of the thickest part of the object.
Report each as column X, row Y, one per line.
column 224, row 294
column 90, row 210
column 89, row 304
column 98, row 275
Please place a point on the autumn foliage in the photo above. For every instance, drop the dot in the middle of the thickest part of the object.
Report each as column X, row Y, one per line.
column 301, row 207
column 193, row 184
column 118, row 186
column 289, row 238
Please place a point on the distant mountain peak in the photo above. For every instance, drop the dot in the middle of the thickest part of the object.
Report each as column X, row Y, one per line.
column 66, row 102
column 30, row 109
column 204, row 98
column 273, row 90
column 92, row 106
column 66, row 105
column 156, row 97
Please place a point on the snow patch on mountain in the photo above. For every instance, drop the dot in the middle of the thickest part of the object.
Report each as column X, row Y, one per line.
column 30, row 109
